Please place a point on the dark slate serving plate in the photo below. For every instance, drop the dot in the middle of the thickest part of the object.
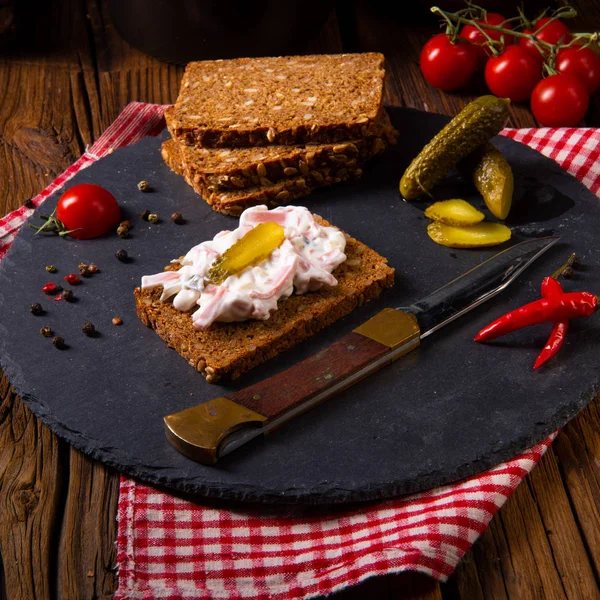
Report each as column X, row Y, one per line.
column 450, row 409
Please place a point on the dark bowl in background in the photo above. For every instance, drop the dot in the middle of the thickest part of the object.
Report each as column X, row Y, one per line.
column 179, row 31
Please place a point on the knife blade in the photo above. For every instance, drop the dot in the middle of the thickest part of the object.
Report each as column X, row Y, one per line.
column 213, row 429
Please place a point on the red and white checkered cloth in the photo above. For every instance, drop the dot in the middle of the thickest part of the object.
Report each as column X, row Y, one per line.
column 172, row 549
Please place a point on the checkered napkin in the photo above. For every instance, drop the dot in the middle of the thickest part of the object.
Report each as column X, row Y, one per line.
column 174, row 549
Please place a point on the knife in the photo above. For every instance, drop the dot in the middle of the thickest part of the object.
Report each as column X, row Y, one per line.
column 211, row 430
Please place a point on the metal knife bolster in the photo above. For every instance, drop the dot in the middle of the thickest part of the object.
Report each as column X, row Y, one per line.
column 198, row 431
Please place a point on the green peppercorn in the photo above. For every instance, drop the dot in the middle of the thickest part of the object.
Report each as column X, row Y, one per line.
column 82, row 266
column 144, row 186
column 51, row 268
column 153, row 218
column 46, row 332
column 36, row 309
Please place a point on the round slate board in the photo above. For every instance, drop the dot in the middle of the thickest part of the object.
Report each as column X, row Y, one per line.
column 450, row 409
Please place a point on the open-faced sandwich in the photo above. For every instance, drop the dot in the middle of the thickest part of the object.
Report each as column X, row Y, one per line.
column 250, row 293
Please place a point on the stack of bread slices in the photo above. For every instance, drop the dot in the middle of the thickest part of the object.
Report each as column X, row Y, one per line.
column 270, row 130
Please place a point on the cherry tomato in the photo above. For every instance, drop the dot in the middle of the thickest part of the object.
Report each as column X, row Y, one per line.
column 513, row 74
column 445, row 65
column 583, row 63
column 473, row 35
column 88, row 209
column 556, row 32
column 560, row 101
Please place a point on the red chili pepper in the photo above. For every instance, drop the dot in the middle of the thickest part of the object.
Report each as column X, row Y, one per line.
column 558, row 308
column 72, row 279
column 50, row 288
column 550, row 288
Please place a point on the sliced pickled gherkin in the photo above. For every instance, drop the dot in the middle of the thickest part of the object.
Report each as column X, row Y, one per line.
column 474, row 236
column 250, row 250
column 454, row 212
column 479, row 121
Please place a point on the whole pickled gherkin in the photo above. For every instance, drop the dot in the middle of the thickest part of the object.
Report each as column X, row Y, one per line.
column 479, row 121
column 493, row 179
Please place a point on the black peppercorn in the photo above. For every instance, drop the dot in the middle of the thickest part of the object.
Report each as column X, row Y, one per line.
column 177, row 218
column 46, row 332
column 568, row 273
column 143, row 186
column 29, row 203
column 36, row 309
column 59, row 342
column 121, row 255
column 89, row 329
column 145, row 214
column 85, row 272
column 68, row 296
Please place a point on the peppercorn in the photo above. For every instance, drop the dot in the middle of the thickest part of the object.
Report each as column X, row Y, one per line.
column 36, row 309
column 29, row 203
column 51, row 268
column 177, row 218
column 89, row 329
column 82, row 266
column 46, row 332
column 59, row 343
column 121, row 255
column 117, row 321
column 93, row 269
column 50, row 288
column 568, row 273
column 123, row 229
column 144, row 186
column 85, row 272
column 72, row 279
column 145, row 214
column 153, row 218
column 68, row 296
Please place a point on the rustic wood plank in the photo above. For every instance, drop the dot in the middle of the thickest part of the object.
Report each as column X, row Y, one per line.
column 30, row 484
column 87, row 553
column 568, row 551
column 578, row 452
column 487, row 559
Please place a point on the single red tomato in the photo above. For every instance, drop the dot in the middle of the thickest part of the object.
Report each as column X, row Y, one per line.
column 513, row 74
column 476, row 37
column 553, row 33
column 89, row 210
column 445, row 65
column 560, row 101
column 583, row 63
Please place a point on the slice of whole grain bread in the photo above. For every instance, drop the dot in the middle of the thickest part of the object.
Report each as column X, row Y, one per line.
column 226, row 350
column 223, row 169
column 278, row 101
column 233, row 202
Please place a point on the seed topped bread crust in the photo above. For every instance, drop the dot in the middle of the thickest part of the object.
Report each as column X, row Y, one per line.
column 282, row 100
column 226, row 350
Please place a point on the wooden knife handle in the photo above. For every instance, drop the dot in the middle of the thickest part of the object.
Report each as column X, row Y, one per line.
column 198, row 431
column 381, row 336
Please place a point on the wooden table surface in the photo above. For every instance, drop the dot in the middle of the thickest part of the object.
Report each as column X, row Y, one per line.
column 61, row 85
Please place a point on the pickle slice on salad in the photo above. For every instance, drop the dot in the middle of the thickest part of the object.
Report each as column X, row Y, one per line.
column 250, row 250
